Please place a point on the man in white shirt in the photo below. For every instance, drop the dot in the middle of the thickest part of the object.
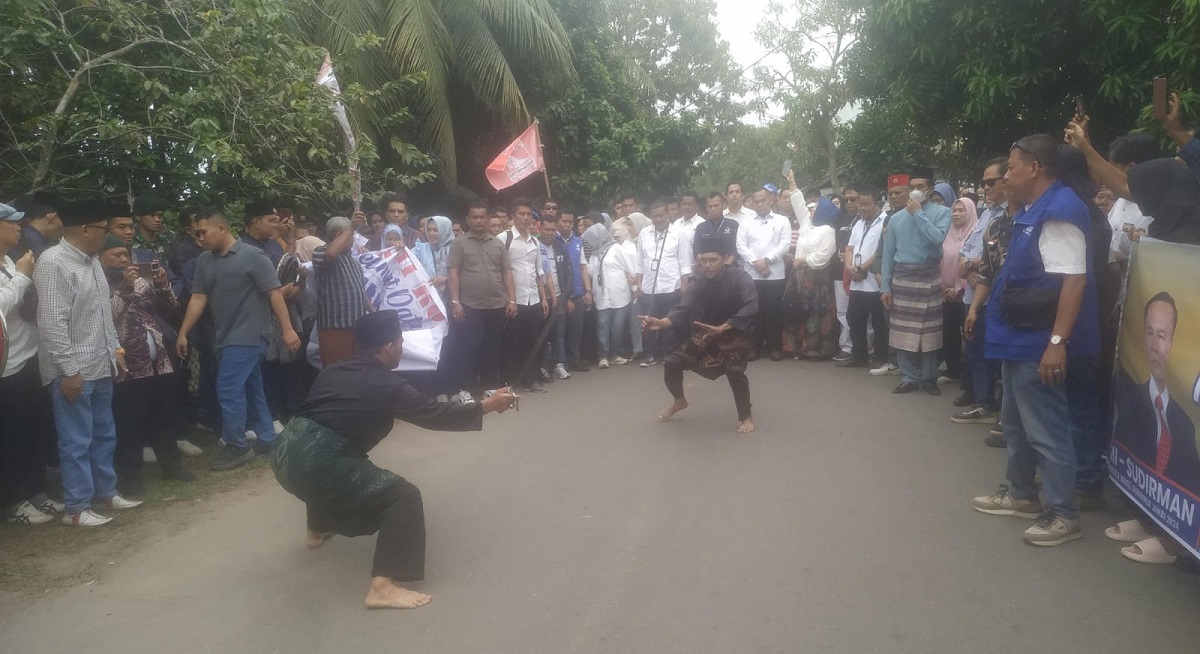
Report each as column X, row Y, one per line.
column 864, row 302
column 733, row 205
column 689, row 205
column 528, row 304
column 761, row 244
column 26, row 429
column 660, row 254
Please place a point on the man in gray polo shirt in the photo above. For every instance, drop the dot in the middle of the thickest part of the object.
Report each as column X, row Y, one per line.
column 239, row 284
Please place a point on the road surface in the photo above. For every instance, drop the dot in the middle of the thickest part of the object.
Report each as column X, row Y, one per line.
column 580, row 525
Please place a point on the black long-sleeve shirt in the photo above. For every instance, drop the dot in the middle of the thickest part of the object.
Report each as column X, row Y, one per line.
column 359, row 398
column 730, row 298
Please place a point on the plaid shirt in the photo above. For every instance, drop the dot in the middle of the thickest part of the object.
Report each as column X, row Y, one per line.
column 340, row 283
column 74, row 316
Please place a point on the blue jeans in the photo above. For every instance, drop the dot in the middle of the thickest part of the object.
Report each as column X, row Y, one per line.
column 1037, row 426
column 1087, row 417
column 240, row 392
column 918, row 366
column 610, row 324
column 87, row 439
column 983, row 371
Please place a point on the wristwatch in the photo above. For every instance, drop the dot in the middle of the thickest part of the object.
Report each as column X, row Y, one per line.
column 455, row 302
column 1055, row 339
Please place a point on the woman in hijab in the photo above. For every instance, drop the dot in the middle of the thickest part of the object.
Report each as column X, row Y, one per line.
column 942, row 194
column 613, row 272
column 640, row 222
column 964, row 218
column 434, row 252
column 1167, row 191
column 810, row 310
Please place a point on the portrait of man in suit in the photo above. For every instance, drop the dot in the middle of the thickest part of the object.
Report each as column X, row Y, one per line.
column 1150, row 423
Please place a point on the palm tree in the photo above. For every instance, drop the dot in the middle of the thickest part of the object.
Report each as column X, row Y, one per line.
column 456, row 46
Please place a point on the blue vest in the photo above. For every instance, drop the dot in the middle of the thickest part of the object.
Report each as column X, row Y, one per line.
column 1024, row 269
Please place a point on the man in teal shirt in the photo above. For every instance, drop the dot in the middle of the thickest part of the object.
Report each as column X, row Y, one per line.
column 912, row 287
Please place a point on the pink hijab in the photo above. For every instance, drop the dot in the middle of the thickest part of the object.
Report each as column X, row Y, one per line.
column 952, row 246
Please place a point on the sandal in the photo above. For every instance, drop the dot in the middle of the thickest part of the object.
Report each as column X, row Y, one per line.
column 1130, row 531
column 1149, row 551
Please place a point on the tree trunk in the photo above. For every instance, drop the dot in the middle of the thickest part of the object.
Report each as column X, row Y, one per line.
column 50, row 142
column 830, row 151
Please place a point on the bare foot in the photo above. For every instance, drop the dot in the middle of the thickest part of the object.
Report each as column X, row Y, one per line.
column 676, row 407
column 746, row 426
column 317, row 539
column 384, row 594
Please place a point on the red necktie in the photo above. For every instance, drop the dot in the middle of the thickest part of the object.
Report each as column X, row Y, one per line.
column 1164, row 437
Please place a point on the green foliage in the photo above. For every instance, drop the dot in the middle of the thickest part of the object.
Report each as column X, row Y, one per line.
column 204, row 100
column 752, row 155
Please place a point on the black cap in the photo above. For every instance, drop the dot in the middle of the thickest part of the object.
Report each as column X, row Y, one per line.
column 146, row 204
column 921, row 172
column 259, row 208
column 708, row 243
column 84, row 212
column 375, row 330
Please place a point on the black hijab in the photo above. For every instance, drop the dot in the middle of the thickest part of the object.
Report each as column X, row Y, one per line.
column 1168, row 191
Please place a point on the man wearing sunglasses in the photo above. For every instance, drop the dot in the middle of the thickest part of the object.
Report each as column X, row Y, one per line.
column 1044, row 313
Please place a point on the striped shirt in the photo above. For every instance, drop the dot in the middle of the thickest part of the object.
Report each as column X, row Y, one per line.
column 340, row 286
column 78, row 336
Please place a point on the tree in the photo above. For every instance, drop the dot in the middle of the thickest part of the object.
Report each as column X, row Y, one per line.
column 752, row 155
column 815, row 37
column 198, row 99
column 464, row 52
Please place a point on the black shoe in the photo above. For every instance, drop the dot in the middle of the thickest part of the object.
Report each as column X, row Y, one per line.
column 905, row 387
column 579, row 366
column 777, row 355
column 131, row 486
column 262, row 449
column 996, row 439
column 230, row 457
column 842, row 356
column 178, row 473
column 931, row 387
column 966, row 399
column 850, row 363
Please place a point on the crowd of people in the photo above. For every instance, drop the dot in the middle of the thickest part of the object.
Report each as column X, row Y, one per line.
column 122, row 334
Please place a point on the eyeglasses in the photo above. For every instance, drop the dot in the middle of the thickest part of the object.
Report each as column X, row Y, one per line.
column 989, row 183
column 100, row 227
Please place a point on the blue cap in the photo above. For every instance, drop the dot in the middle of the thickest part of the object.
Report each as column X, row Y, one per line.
column 10, row 214
column 771, row 187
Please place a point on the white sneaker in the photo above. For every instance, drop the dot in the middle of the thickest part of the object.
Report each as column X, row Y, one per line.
column 278, row 427
column 27, row 514
column 118, row 503
column 885, row 369
column 620, row 361
column 603, row 364
column 148, row 455
column 250, row 436
column 560, row 371
column 85, row 518
column 189, row 448
column 50, row 507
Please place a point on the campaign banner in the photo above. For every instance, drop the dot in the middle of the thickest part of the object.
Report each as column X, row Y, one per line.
column 396, row 280
column 1156, row 391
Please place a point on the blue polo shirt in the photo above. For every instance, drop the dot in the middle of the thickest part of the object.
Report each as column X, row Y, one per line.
column 575, row 251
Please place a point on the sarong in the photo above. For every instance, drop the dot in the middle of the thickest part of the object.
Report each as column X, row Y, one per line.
column 345, row 494
column 916, row 317
column 711, row 356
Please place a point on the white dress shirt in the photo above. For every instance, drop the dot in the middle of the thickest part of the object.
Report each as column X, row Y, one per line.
column 746, row 213
column 525, row 259
column 687, row 236
column 660, row 253
column 616, row 291
column 22, row 333
column 764, row 237
column 1124, row 212
column 864, row 239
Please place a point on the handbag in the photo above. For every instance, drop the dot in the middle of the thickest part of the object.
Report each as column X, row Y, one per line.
column 794, row 306
column 1029, row 308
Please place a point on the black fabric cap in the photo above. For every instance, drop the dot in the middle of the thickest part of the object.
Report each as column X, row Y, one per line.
column 85, row 212
column 146, row 204
column 375, row 330
column 259, row 208
column 713, row 243
column 921, row 172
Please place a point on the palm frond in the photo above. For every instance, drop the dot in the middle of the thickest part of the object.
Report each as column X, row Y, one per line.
column 481, row 64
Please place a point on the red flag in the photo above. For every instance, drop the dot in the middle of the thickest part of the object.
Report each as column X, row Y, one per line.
column 522, row 158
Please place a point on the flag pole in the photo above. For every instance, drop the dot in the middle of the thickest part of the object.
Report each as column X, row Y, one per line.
column 542, row 152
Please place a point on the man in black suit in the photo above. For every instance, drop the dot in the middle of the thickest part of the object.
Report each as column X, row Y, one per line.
column 1150, row 425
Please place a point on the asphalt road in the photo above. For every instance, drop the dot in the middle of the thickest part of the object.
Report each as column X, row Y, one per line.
column 582, row 525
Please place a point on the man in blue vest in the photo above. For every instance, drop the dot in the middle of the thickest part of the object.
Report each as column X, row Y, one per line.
column 1044, row 314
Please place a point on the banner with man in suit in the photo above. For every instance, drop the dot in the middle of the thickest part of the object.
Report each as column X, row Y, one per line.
column 1153, row 458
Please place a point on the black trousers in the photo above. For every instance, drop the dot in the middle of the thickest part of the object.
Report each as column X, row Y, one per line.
column 574, row 337
column 865, row 305
column 658, row 344
column 520, row 337
column 738, row 383
column 477, row 341
column 144, row 410
column 283, row 384
column 400, row 546
column 770, row 313
column 27, row 435
column 954, row 314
